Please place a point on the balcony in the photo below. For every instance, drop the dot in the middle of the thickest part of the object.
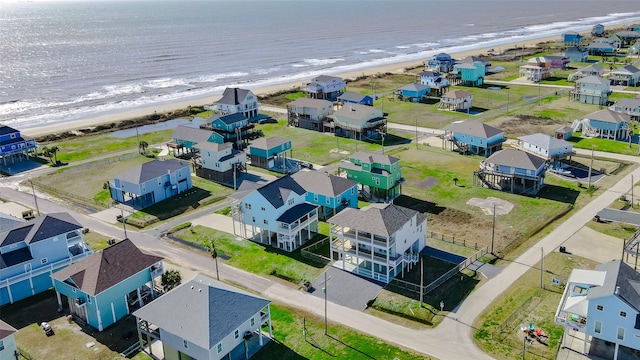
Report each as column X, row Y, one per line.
column 576, row 322
column 364, row 237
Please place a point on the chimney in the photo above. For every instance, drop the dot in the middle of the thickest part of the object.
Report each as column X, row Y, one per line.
column 617, row 291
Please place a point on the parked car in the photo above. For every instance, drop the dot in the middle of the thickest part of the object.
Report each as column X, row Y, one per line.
column 307, row 165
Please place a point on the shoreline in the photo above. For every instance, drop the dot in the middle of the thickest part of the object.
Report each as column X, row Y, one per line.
column 74, row 125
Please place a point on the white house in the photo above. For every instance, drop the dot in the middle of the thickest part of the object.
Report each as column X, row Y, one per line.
column 236, row 100
column 545, row 146
column 627, row 75
column 603, row 303
column 309, row 113
column 219, row 162
column 433, row 79
column 274, row 214
column 326, row 87
column 8, row 347
column 456, row 100
column 627, row 106
column 378, row 241
column 205, row 319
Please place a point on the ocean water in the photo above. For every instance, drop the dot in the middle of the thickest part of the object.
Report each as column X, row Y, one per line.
column 62, row 61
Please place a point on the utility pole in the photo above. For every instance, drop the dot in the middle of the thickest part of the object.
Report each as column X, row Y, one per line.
column 416, row 133
column 422, row 280
column 590, row 167
column 632, row 184
column 324, row 291
column 493, row 229
column 35, row 198
column 542, row 268
column 507, row 101
column 124, row 222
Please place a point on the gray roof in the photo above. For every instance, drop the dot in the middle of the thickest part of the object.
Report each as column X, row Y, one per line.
column 627, row 69
column 268, row 143
column 472, row 59
column 8, row 222
column 202, row 310
column 430, row 73
column 6, row 129
column 609, row 116
column 296, row 212
column 40, row 228
column 151, row 170
column 323, row 183
column 474, row 128
column 233, row 96
column 574, row 49
column 228, row 119
column 456, row 94
column 621, row 276
column 325, row 78
column 564, row 129
column 367, row 157
column 358, row 112
column 545, row 141
column 592, row 67
column 311, row 103
column 379, row 219
column 351, row 96
column 592, row 79
column 628, row 103
column 105, row 269
column 594, row 45
column 278, row 190
column 6, row 330
column 212, row 146
column 516, row 158
column 190, row 133
column 414, row 87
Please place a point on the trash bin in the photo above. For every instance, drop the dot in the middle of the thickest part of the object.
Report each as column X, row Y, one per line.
column 563, row 249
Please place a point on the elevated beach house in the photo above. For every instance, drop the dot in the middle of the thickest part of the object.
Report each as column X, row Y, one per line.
column 547, row 147
column 270, row 153
column 15, row 147
column 235, row 100
column 205, row 319
column 456, row 100
column 379, row 176
column 413, row 92
column 233, row 128
column 30, row 252
column 274, row 214
column 355, row 98
column 108, row 285
column 469, row 74
column 329, row 192
column 358, row 122
column 474, row 137
column 606, row 124
column 603, row 304
column 8, row 347
column 627, row 37
column 602, row 48
column 151, row 182
column 437, row 83
column 576, row 54
column 597, row 30
column 627, row 75
column 540, row 68
column 219, row 162
column 511, row 170
column 591, row 90
column 326, row 87
column 441, row 62
column 628, row 106
column 308, row 113
column 591, row 70
column 571, row 38
column 184, row 137
column 475, row 59
column 378, row 241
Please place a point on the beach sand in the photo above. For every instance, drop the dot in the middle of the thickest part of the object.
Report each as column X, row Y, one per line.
column 164, row 108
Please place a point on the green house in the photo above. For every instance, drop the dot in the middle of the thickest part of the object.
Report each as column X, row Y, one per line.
column 379, row 176
column 469, row 74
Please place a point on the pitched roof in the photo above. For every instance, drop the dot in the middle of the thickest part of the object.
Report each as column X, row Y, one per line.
column 374, row 158
column 40, row 228
column 430, row 73
column 620, row 280
column 325, row 78
column 592, row 68
column 474, row 128
column 472, row 59
column 202, row 310
column 8, row 222
column 545, row 141
column 456, row 94
column 278, row 190
column 628, row 103
column 627, row 69
column 233, row 96
column 295, row 213
column 602, row 45
column 212, row 146
column 312, row 103
column 15, row 257
column 104, row 269
column 190, row 133
column 516, row 158
column 380, row 219
column 323, row 183
column 6, row 330
column 592, row 79
column 414, row 87
column 6, row 130
column 575, row 49
column 351, row 96
column 151, row 170
column 268, row 143
column 228, row 119
column 609, row 116
column 358, row 112
column 565, row 129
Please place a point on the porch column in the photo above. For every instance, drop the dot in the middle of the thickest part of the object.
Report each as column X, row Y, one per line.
column 615, row 352
column 269, row 320
column 584, row 343
column 260, row 337
column 344, row 257
column 139, row 334
column 59, row 300
column 139, row 297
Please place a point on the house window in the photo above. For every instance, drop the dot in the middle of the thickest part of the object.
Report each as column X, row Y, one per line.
column 353, row 191
column 185, row 343
column 599, row 307
column 235, row 335
column 328, row 201
column 1, row 345
column 623, row 313
column 89, row 299
column 179, row 173
column 266, row 222
column 620, row 335
column 159, row 181
column 43, row 261
column 377, row 181
column 253, row 321
column 247, row 206
column 290, row 202
column 315, row 197
column 597, row 327
column 263, row 209
column 253, row 218
column 219, row 348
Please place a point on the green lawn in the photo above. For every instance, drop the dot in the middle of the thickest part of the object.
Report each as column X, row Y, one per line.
column 606, row 145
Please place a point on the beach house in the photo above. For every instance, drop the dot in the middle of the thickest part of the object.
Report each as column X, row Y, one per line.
column 235, row 100
column 15, row 147
column 274, row 214
column 469, row 74
column 441, row 62
column 540, row 68
column 437, row 82
column 184, row 137
column 474, row 137
column 628, row 106
column 591, row 90
column 601, row 48
column 603, row 304
column 271, row 154
column 547, row 147
column 475, row 59
column 576, row 54
column 456, row 100
column 151, row 182
column 607, row 124
column 627, row 75
column 515, row 171
column 355, row 98
column 571, row 38
column 591, row 70
column 597, row 30
column 106, row 286
column 329, row 192
column 413, row 92
column 627, row 37
column 326, row 87
column 634, row 48
column 378, row 241
column 379, row 176
column 205, row 319
column 633, row 27
column 233, row 128
column 8, row 347
column 219, row 162
column 308, row 113
column 358, row 122
column 31, row 251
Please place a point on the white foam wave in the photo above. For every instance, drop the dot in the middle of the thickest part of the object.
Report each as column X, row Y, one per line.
column 319, row 62
column 216, row 77
column 124, row 89
column 165, row 83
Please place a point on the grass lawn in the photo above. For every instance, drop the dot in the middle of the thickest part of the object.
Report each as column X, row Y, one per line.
column 253, row 257
column 340, row 343
column 95, row 240
column 612, row 146
column 498, row 328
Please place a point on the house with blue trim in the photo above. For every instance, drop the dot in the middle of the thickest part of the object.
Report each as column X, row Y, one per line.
column 441, row 62
column 274, row 214
column 349, row 97
column 15, row 146
column 379, row 175
column 597, row 30
column 151, row 182
column 627, row 75
column 108, row 285
column 235, row 100
column 270, row 153
column 474, row 137
column 607, row 124
column 358, row 122
column 476, row 59
column 571, row 38
column 205, row 319
column 601, row 49
column 628, row 106
column 30, row 252
column 435, row 81
column 545, row 146
column 511, row 170
column 8, row 347
column 414, row 92
column 308, row 113
column 627, row 37
column 591, row 90
column 233, row 128
column 184, row 137
column 576, row 54
column 219, row 162
column 469, row 74
column 326, row 87
column 329, row 192
column 591, row 70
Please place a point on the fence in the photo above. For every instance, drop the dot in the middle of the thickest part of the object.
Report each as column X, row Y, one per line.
column 24, row 354
column 80, row 201
column 307, row 252
column 451, row 239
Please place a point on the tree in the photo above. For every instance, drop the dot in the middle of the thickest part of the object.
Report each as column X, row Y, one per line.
column 214, row 256
column 170, row 279
column 54, row 151
column 143, row 147
column 47, row 152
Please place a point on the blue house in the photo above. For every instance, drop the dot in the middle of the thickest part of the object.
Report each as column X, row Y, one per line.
column 109, row 284
column 576, row 54
column 14, row 146
column 184, row 138
column 597, row 30
column 511, row 170
column 271, row 153
column 601, row 49
column 152, row 182
column 474, row 137
column 31, row 251
column 414, row 92
column 441, row 62
column 607, row 124
column 233, row 128
column 571, row 38
column 331, row 193
column 8, row 347
column 469, row 74
column 355, row 98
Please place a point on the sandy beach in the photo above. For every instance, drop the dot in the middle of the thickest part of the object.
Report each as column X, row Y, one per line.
column 164, row 108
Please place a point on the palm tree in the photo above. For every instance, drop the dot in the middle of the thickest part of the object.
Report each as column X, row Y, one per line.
column 143, row 147
column 54, row 151
column 170, row 280
column 214, row 256
column 47, row 152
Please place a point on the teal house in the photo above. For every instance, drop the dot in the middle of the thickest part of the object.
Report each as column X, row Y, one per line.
column 233, row 128
column 414, row 92
column 331, row 193
column 270, row 153
column 379, row 176
column 474, row 137
column 108, row 285
column 469, row 74
column 185, row 137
